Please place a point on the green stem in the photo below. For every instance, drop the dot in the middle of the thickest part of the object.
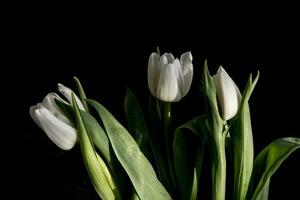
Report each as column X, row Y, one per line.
column 166, row 123
column 219, row 167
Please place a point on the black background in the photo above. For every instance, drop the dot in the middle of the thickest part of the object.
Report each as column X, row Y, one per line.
column 110, row 52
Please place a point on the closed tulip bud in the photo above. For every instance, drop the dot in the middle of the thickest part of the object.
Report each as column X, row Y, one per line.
column 228, row 94
column 170, row 79
column 49, row 117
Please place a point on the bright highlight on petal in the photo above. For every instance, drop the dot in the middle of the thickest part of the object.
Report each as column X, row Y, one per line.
column 169, row 79
column 67, row 92
column 49, row 117
column 228, row 94
column 62, row 134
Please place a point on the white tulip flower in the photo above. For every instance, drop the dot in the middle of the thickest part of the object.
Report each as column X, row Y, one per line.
column 49, row 117
column 170, row 79
column 228, row 94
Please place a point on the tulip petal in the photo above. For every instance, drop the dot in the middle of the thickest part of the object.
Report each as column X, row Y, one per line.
column 50, row 104
column 153, row 72
column 67, row 92
column 187, row 71
column 33, row 116
column 227, row 94
column 239, row 96
column 163, row 61
column 167, row 86
column 169, row 56
column 159, row 73
column 179, row 76
column 62, row 134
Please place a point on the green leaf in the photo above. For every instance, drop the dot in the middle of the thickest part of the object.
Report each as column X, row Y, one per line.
column 100, row 140
column 98, row 135
column 135, row 196
column 136, row 123
column 216, row 136
column 242, row 144
column 188, row 149
column 264, row 193
column 210, row 97
column 67, row 110
column 82, row 95
column 267, row 162
column 94, row 164
column 134, row 162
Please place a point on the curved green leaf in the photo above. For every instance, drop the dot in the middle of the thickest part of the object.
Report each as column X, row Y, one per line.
column 98, row 173
column 268, row 161
column 98, row 135
column 216, row 136
column 82, row 95
column 100, row 140
column 188, row 149
column 136, row 122
column 134, row 162
column 242, row 143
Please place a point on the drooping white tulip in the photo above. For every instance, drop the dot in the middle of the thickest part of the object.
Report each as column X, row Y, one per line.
column 228, row 94
column 49, row 117
column 170, row 79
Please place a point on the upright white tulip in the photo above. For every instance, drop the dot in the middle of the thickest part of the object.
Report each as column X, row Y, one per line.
column 48, row 116
column 170, row 79
column 228, row 94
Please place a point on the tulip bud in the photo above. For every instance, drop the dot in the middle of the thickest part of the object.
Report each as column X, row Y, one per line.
column 228, row 94
column 170, row 79
column 49, row 117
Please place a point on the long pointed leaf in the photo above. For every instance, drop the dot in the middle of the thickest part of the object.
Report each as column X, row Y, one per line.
column 242, row 141
column 134, row 162
column 96, row 132
column 216, row 136
column 100, row 140
column 188, row 150
column 82, row 95
column 268, row 161
column 98, row 136
column 91, row 160
column 136, row 122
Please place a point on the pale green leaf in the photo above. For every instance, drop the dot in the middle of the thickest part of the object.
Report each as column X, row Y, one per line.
column 267, row 162
column 102, row 183
column 82, row 95
column 100, row 140
column 98, row 135
column 242, row 144
column 136, row 122
column 134, row 162
column 188, row 149
column 216, row 136
column 215, row 122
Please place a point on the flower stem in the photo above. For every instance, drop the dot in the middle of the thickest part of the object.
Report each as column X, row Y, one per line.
column 218, row 168
column 167, row 139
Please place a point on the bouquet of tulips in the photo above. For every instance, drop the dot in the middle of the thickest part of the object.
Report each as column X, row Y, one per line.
column 153, row 158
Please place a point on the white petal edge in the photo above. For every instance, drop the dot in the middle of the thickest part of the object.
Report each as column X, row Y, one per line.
column 63, row 135
column 227, row 93
column 169, row 56
column 67, row 92
column 32, row 110
column 179, row 76
column 50, row 104
column 187, row 71
column 153, row 72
